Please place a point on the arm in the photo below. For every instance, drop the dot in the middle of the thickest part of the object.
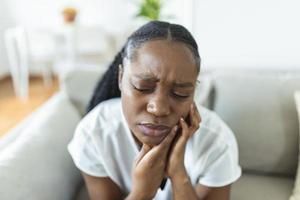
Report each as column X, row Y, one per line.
column 102, row 188
column 209, row 193
column 181, row 185
column 183, row 189
column 106, row 189
column 147, row 175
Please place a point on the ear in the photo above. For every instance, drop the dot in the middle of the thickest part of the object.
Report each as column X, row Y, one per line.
column 120, row 76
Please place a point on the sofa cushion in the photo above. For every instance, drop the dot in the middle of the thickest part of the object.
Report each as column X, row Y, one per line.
column 79, row 85
column 36, row 165
column 203, row 90
column 259, row 107
column 296, row 191
column 251, row 186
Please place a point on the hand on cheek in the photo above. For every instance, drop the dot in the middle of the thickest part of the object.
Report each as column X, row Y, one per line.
column 175, row 162
column 149, row 168
column 166, row 158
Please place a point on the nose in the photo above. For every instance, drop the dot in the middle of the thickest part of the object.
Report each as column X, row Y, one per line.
column 159, row 105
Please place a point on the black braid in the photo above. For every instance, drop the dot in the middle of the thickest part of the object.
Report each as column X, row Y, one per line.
column 108, row 86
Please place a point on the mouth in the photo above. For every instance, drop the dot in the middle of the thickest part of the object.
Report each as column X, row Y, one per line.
column 153, row 130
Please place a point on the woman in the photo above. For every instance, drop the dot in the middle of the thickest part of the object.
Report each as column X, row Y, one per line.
column 142, row 138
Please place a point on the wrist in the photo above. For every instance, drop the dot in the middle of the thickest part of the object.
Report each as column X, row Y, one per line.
column 179, row 172
column 175, row 170
column 136, row 196
column 180, row 177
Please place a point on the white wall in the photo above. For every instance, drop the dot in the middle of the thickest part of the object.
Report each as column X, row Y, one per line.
column 256, row 33
column 232, row 33
column 5, row 21
column 115, row 16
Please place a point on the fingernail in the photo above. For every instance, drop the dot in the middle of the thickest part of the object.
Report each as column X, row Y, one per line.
column 176, row 128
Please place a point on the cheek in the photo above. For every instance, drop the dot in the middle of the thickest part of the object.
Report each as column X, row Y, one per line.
column 185, row 109
column 126, row 89
column 182, row 110
column 129, row 104
column 132, row 106
column 132, row 100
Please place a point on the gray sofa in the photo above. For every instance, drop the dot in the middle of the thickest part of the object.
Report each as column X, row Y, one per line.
column 258, row 105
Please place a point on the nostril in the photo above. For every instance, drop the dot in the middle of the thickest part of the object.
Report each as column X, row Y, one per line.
column 159, row 105
column 150, row 107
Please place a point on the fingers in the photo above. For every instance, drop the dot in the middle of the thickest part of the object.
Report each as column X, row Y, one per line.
column 196, row 112
column 165, row 144
column 145, row 149
column 185, row 129
column 186, row 133
column 159, row 151
column 179, row 145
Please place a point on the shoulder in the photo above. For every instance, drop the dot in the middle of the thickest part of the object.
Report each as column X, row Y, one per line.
column 93, row 135
column 214, row 151
column 106, row 115
column 214, row 134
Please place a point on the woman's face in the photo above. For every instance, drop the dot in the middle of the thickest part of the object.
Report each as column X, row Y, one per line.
column 157, row 88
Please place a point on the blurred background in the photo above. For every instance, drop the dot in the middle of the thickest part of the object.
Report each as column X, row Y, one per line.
column 41, row 39
column 52, row 54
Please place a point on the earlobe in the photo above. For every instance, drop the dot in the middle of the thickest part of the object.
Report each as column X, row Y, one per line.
column 120, row 76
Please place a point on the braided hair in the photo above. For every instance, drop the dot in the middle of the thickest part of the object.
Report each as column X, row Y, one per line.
column 108, row 86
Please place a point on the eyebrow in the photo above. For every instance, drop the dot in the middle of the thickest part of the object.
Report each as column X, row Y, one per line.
column 187, row 84
column 146, row 77
column 150, row 78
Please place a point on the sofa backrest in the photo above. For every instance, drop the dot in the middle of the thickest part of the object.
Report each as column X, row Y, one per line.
column 79, row 85
column 259, row 107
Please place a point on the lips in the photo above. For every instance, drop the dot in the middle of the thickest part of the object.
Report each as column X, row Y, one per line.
column 153, row 130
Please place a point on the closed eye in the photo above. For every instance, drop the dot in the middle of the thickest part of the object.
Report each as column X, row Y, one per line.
column 150, row 90
column 180, row 95
column 144, row 90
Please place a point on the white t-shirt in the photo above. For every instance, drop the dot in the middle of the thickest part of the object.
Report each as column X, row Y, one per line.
column 103, row 146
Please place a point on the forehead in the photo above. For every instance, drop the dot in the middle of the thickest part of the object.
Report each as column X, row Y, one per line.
column 165, row 60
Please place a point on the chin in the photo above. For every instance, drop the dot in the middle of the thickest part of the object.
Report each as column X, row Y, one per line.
column 152, row 141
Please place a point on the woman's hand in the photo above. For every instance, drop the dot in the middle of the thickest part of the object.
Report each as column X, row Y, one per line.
column 149, row 168
column 175, row 162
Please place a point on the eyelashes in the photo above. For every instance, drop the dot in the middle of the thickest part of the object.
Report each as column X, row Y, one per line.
column 181, row 96
column 143, row 90
column 150, row 90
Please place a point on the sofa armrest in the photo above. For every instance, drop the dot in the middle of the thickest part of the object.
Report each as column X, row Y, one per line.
column 36, row 165
column 10, row 136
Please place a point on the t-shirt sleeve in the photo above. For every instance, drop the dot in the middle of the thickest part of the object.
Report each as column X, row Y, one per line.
column 84, row 152
column 223, row 168
column 220, row 166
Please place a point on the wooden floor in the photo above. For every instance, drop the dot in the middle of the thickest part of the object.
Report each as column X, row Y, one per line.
column 13, row 110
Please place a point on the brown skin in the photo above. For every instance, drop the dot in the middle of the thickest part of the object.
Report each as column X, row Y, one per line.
column 157, row 87
column 169, row 63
